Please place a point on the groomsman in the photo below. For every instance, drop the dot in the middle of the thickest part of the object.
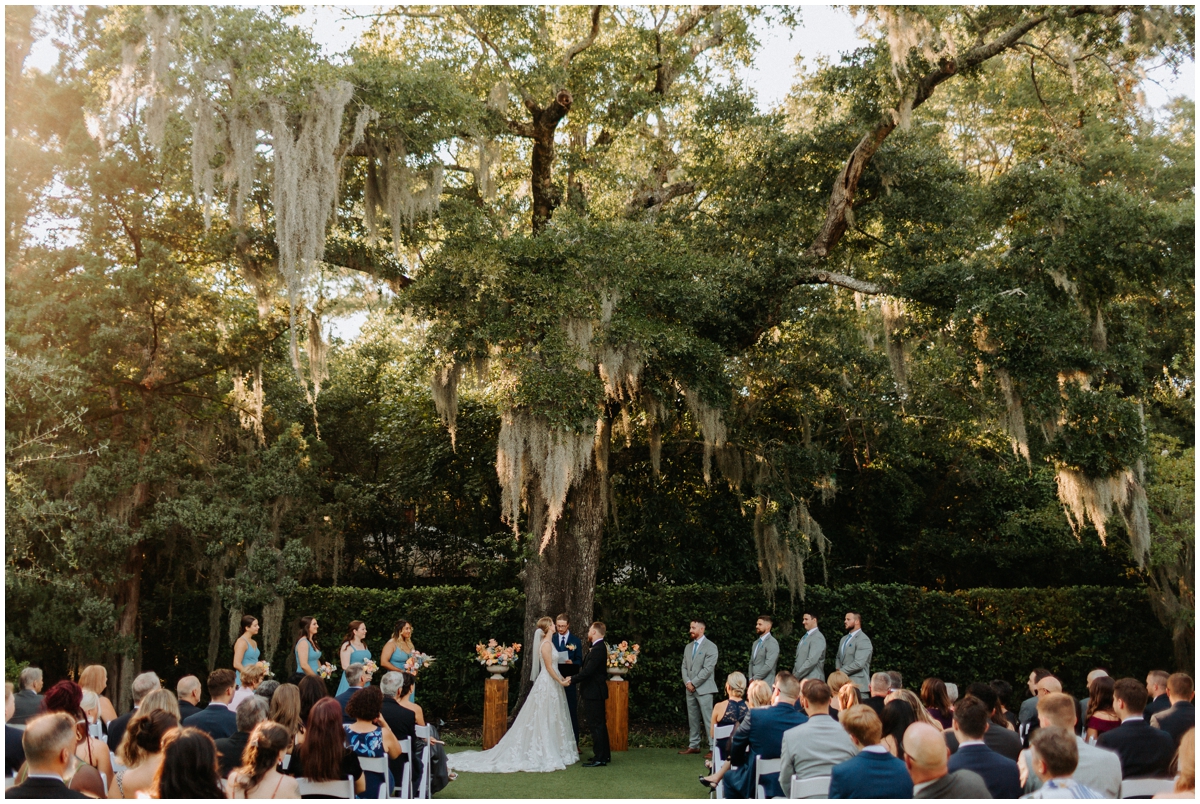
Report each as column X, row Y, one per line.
column 699, row 667
column 566, row 642
column 854, row 653
column 764, row 653
column 810, row 653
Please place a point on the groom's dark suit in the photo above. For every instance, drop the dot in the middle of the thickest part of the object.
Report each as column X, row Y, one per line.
column 563, row 643
column 593, row 688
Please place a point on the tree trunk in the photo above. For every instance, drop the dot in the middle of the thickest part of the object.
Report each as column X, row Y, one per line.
column 129, row 597
column 563, row 578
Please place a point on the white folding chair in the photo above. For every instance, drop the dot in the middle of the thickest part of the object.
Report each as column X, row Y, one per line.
column 285, row 760
column 96, row 730
column 423, row 785
column 405, row 788
column 761, row 768
column 376, row 765
column 9, row 781
column 718, row 759
column 812, row 787
column 1145, row 788
column 338, row 789
column 116, row 764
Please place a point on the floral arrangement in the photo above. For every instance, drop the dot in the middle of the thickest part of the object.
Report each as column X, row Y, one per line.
column 326, row 670
column 494, row 653
column 369, row 667
column 266, row 666
column 623, row 655
column 417, row 661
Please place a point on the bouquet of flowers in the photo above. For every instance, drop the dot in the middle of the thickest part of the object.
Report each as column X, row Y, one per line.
column 266, row 666
column 494, row 653
column 623, row 655
column 417, row 661
column 369, row 667
column 326, row 670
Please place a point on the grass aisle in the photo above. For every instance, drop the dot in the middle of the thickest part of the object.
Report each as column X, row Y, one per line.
column 636, row 773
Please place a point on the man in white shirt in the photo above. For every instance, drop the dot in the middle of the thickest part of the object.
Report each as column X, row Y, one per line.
column 1096, row 768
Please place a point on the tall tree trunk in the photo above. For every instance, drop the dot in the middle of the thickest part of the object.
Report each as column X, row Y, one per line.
column 129, row 597
column 563, row 578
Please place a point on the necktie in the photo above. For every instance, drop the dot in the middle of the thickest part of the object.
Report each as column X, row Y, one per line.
column 803, row 637
column 754, row 655
column 695, row 646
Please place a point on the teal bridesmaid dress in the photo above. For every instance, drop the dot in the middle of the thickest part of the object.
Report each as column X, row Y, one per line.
column 356, row 657
column 251, row 656
column 314, row 660
column 399, row 657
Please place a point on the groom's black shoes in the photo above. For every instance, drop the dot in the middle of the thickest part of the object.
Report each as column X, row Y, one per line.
column 595, row 763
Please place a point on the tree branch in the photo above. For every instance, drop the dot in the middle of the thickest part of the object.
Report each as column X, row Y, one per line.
column 577, row 48
column 693, row 19
column 656, row 197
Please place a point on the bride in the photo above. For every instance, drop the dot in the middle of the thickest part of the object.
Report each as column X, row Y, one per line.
column 541, row 738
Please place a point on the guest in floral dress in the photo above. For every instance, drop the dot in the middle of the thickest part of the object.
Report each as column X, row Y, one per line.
column 369, row 735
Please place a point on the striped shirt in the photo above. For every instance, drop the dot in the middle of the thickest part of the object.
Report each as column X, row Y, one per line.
column 1063, row 788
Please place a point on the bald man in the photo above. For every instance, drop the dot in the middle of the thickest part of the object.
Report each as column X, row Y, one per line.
column 1041, row 689
column 926, row 755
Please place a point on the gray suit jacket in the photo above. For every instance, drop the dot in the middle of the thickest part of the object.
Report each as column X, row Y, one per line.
column 855, row 660
column 810, row 656
column 764, row 660
column 812, row 749
column 701, row 668
column 1098, row 768
column 962, row 783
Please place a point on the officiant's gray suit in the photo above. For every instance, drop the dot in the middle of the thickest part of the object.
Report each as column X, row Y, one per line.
column 854, row 659
column 764, row 656
column 700, row 667
column 810, row 656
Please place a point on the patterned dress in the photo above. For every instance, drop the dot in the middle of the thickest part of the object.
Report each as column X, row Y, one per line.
column 368, row 744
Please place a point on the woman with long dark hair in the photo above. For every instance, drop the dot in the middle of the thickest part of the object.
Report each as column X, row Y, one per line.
column 898, row 715
column 285, row 710
column 323, row 755
column 936, row 699
column 311, row 691
column 306, row 652
column 396, row 650
column 1100, row 715
column 258, row 777
column 352, row 651
column 245, row 649
column 189, row 766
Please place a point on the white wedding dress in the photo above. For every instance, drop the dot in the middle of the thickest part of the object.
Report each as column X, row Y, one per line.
column 541, row 738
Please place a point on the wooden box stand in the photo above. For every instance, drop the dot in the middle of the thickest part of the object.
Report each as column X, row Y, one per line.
column 616, row 712
column 495, row 710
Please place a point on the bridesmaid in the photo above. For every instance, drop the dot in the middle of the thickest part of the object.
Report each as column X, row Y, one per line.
column 245, row 650
column 308, row 656
column 398, row 649
column 353, row 651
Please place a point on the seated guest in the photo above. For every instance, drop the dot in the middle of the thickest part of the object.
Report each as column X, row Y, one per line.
column 925, row 756
column 311, row 690
column 369, row 735
column 49, row 744
column 936, row 700
column 89, row 704
column 141, row 752
column 1185, row 782
column 67, row 697
column 323, row 756
column 813, row 748
column 897, row 679
column 1097, row 768
column 189, row 764
column 758, row 696
column 266, row 690
column 760, row 734
column 913, row 700
column 1100, row 715
column 401, row 720
column 1091, row 676
column 231, row 749
column 252, row 677
column 28, row 700
column 94, row 678
column 730, row 711
column 1159, row 698
column 1047, row 686
column 1003, row 690
column 1144, row 751
column 880, row 686
column 898, row 715
column 285, row 712
column 14, row 754
column 188, row 693
column 216, row 719
column 1001, row 740
column 1055, row 754
column 952, row 694
column 1028, row 710
column 160, row 700
column 998, row 772
column 836, row 681
column 1181, row 715
column 143, row 685
column 873, row 772
column 354, row 678
column 258, row 777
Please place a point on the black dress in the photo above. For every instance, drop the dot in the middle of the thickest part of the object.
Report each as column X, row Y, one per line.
column 735, row 711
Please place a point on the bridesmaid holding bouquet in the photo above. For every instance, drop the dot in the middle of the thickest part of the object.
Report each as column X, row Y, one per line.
column 245, row 650
column 398, row 649
column 353, row 651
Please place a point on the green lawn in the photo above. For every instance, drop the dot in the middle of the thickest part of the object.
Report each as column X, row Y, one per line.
column 636, row 773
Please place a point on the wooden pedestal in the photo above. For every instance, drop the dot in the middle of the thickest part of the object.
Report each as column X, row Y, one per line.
column 616, row 711
column 495, row 710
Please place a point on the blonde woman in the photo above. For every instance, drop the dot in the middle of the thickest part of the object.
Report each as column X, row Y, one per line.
column 758, row 695
column 285, row 710
column 160, row 699
column 141, row 752
column 911, row 698
column 94, row 678
column 252, row 676
column 730, row 711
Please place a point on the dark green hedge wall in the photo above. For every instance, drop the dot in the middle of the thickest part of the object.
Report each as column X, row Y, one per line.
column 979, row 634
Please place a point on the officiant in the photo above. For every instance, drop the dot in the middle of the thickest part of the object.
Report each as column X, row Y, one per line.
column 571, row 645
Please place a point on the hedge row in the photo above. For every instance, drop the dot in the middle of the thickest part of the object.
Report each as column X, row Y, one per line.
column 965, row 636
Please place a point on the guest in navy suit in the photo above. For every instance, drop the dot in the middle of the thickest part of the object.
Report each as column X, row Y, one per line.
column 566, row 642
column 50, row 750
column 1182, row 714
column 761, row 734
column 1144, row 751
column 971, row 720
column 873, row 773
column 216, row 719
column 354, row 674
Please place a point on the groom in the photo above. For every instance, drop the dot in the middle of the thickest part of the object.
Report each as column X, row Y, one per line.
column 593, row 688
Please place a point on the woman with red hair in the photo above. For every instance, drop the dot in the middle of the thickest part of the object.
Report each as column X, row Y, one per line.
column 323, row 756
column 91, row 755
